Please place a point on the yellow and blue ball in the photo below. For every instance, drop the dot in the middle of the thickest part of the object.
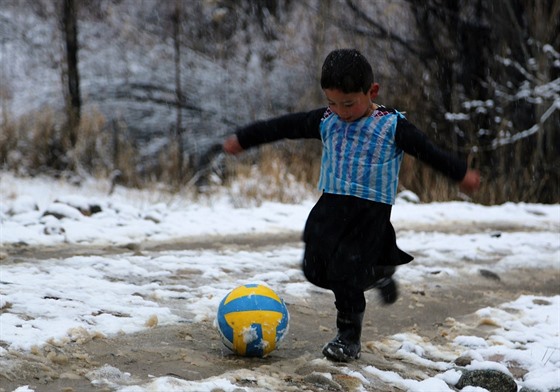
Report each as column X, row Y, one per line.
column 252, row 320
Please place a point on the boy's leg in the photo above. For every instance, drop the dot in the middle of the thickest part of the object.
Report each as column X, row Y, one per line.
column 350, row 304
column 387, row 286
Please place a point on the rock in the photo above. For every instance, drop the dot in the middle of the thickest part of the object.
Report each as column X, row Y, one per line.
column 85, row 206
column 463, row 360
column 61, row 211
column 153, row 216
column 53, row 230
column 95, row 208
column 492, row 380
column 489, row 274
column 322, row 381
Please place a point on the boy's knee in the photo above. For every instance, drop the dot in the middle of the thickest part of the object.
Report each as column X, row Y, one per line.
column 385, row 271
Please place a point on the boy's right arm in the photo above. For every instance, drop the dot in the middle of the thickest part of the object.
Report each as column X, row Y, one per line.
column 303, row 125
column 232, row 146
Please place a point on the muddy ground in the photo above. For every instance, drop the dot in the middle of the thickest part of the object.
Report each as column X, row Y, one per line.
column 194, row 351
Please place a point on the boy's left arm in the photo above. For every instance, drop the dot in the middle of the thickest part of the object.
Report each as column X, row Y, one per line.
column 414, row 142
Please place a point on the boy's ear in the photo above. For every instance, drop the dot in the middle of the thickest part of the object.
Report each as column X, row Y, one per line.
column 373, row 91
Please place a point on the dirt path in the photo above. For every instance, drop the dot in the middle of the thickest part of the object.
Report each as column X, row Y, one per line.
column 193, row 351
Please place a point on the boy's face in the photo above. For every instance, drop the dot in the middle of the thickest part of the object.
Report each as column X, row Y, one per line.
column 351, row 106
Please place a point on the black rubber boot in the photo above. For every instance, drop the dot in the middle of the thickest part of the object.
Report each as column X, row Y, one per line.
column 388, row 290
column 346, row 346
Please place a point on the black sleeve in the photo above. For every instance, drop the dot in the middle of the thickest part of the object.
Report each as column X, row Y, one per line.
column 414, row 142
column 303, row 125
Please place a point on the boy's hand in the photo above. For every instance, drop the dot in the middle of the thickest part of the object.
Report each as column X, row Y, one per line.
column 232, row 146
column 471, row 181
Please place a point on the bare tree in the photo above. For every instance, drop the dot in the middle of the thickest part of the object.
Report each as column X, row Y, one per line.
column 489, row 76
column 69, row 24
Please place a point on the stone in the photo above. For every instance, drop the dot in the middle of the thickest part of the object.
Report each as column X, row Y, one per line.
column 492, row 380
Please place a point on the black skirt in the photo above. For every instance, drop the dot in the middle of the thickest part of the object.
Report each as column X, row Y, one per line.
column 350, row 240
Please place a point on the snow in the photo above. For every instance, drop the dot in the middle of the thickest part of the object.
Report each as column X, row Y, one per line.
column 77, row 297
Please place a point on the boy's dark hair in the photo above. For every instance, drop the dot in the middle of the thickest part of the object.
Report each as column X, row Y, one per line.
column 346, row 70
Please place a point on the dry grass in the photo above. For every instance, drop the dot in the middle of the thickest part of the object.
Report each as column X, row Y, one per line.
column 279, row 172
column 284, row 172
column 35, row 143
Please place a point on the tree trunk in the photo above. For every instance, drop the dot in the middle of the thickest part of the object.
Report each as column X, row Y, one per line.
column 178, row 136
column 74, row 101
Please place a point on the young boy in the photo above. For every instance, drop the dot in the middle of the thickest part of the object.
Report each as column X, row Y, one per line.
column 350, row 243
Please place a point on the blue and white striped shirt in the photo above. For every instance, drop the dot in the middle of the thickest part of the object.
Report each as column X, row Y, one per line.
column 361, row 158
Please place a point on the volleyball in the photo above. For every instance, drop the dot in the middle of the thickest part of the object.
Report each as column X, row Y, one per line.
column 252, row 320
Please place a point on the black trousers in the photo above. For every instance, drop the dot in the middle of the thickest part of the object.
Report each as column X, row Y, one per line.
column 349, row 245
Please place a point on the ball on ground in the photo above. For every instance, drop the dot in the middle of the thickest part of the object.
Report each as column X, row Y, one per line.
column 252, row 320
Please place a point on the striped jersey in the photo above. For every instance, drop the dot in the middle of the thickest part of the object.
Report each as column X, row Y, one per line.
column 361, row 158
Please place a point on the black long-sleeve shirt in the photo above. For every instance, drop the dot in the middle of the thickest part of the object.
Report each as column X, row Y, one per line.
column 306, row 125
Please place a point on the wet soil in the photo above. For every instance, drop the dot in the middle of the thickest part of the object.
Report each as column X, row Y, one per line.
column 435, row 311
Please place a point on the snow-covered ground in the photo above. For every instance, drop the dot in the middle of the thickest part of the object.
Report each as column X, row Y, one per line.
column 124, row 292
